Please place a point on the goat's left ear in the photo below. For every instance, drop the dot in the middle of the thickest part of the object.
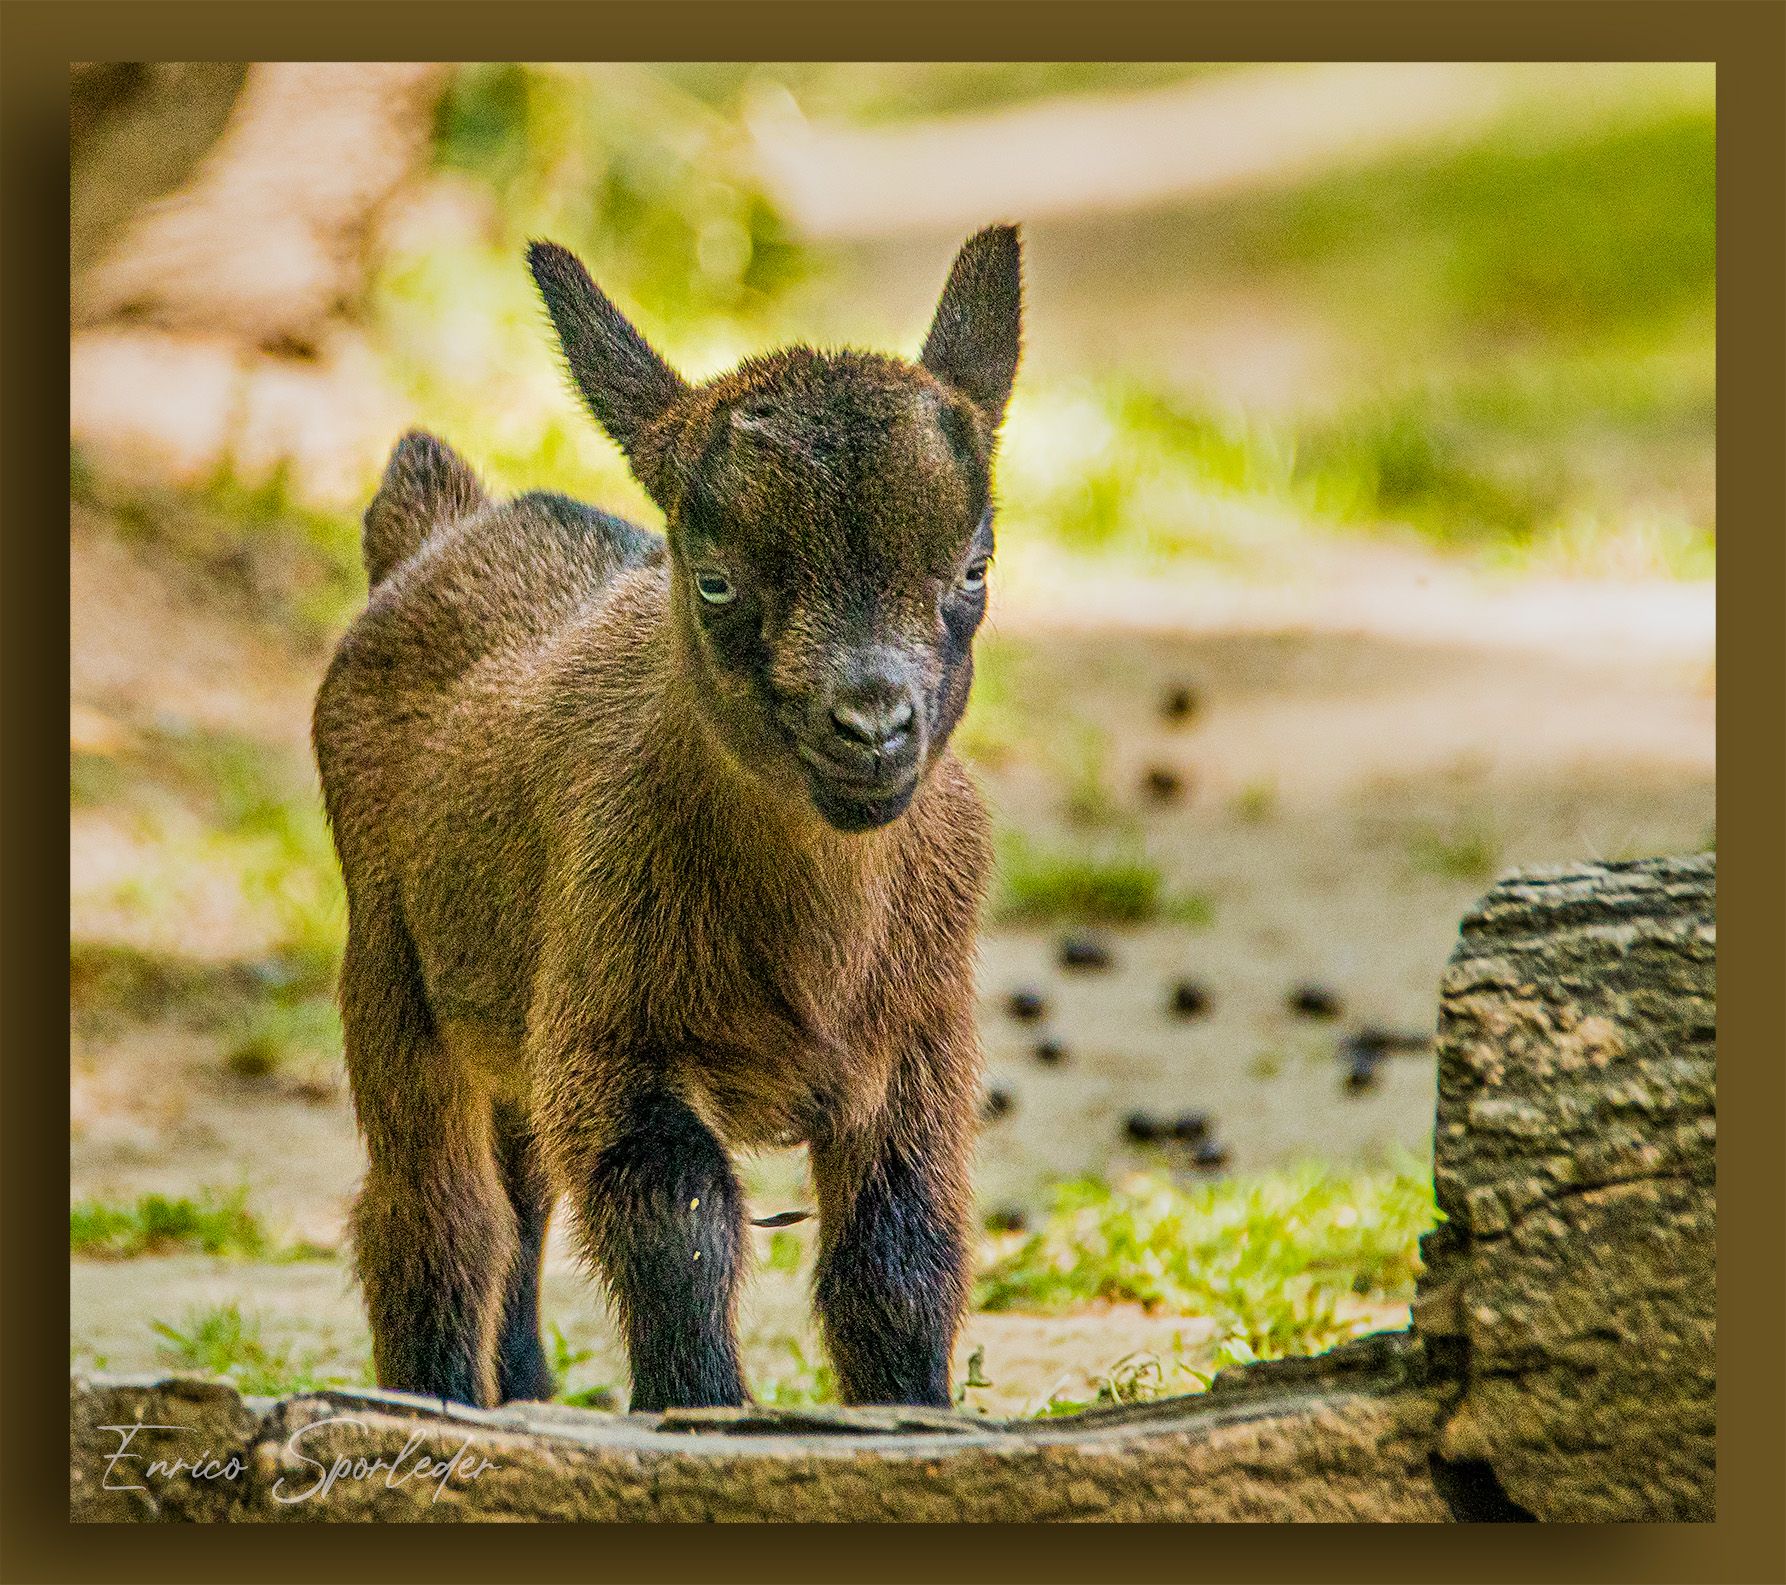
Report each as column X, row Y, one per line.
column 975, row 339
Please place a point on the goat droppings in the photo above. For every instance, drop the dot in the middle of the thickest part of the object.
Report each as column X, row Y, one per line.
column 1084, row 952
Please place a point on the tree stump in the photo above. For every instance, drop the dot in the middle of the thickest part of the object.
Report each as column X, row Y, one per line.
column 1572, row 1289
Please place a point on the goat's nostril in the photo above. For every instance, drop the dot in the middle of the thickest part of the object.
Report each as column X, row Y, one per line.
column 876, row 725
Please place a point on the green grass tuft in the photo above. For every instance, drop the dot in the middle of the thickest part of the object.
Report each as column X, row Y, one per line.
column 1255, row 803
column 215, row 1223
column 1040, row 885
column 786, row 1249
column 566, row 1358
column 275, row 1031
column 1272, row 1258
column 222, row 1341
column 1470, row 851
column 1111, row 884
column 804, row 1383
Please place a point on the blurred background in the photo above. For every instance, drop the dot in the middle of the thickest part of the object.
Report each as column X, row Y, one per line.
column 1356, row 543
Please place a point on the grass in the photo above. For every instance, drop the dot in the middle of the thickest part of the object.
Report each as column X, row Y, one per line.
column 1526, row 231
column 1255, row 803
column 1469, row 850
column 157, row 1224
column 1275, row 1259
column 1570, row 460
column 1113, row 884
column 992, row 732
column 222, row 1341
column 802, row 1383
column 566, row 1358
column 256, row 547
column 1279, row 1260
column 216, row 804
column 786, row 1250
column 1134, row 1378
column 273, row 1032
column 215, row 1223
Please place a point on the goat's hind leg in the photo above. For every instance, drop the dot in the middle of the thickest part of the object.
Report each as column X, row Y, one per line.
column 434, row 1233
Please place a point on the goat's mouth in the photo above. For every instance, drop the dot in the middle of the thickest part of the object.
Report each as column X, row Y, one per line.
column 851, row 800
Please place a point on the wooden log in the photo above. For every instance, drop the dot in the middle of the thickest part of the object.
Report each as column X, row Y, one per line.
column 1572, row 1290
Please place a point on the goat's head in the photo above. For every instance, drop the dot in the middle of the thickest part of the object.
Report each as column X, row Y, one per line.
column 830, row 527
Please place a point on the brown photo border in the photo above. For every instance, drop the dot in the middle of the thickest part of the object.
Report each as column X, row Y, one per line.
column 1746, row 39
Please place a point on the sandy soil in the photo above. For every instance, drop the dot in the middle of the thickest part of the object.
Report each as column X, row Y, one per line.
column 1325, row 754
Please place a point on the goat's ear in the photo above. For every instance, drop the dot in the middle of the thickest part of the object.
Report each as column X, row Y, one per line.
column 626, row 384
column 975, row 339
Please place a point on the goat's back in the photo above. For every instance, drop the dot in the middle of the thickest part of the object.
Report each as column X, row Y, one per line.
column 421, row 726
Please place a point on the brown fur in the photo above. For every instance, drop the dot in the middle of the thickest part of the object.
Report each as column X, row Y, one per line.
column 608, row 923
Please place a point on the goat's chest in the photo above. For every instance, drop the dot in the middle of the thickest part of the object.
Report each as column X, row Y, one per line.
column 779, row 1026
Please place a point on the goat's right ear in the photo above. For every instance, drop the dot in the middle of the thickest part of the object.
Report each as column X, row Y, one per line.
column 626, row 384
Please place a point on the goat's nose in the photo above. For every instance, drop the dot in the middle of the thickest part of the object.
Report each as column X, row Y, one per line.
column 875, row 721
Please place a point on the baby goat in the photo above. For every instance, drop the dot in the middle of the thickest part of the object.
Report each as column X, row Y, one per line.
column 654, row 848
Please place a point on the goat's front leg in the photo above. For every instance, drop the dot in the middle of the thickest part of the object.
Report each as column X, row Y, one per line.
column 662, row 1218
column 894, row 1268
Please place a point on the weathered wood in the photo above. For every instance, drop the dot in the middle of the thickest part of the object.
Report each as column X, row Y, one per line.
column 1573, row 1289
column 1561, row 1364
column 1348, row 1441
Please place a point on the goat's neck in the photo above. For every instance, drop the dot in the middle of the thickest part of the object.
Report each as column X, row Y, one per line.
column 777, row 824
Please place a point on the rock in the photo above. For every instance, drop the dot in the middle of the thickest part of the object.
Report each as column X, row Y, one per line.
column 1050, row 1053
column 1027, row 1005
column 1189, row 1127
column 998, row 1103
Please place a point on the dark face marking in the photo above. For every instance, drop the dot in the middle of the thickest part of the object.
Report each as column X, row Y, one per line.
column 829, row 550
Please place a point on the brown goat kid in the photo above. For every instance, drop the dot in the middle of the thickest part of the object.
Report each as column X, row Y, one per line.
column 654, row 848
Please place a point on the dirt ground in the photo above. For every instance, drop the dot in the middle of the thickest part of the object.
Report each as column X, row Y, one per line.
column 1374, row 738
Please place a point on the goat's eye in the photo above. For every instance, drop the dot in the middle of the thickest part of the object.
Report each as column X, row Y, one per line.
column 715, row 588
column 974, row 579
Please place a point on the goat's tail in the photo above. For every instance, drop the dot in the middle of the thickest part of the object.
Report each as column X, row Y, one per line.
column 426, row 485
